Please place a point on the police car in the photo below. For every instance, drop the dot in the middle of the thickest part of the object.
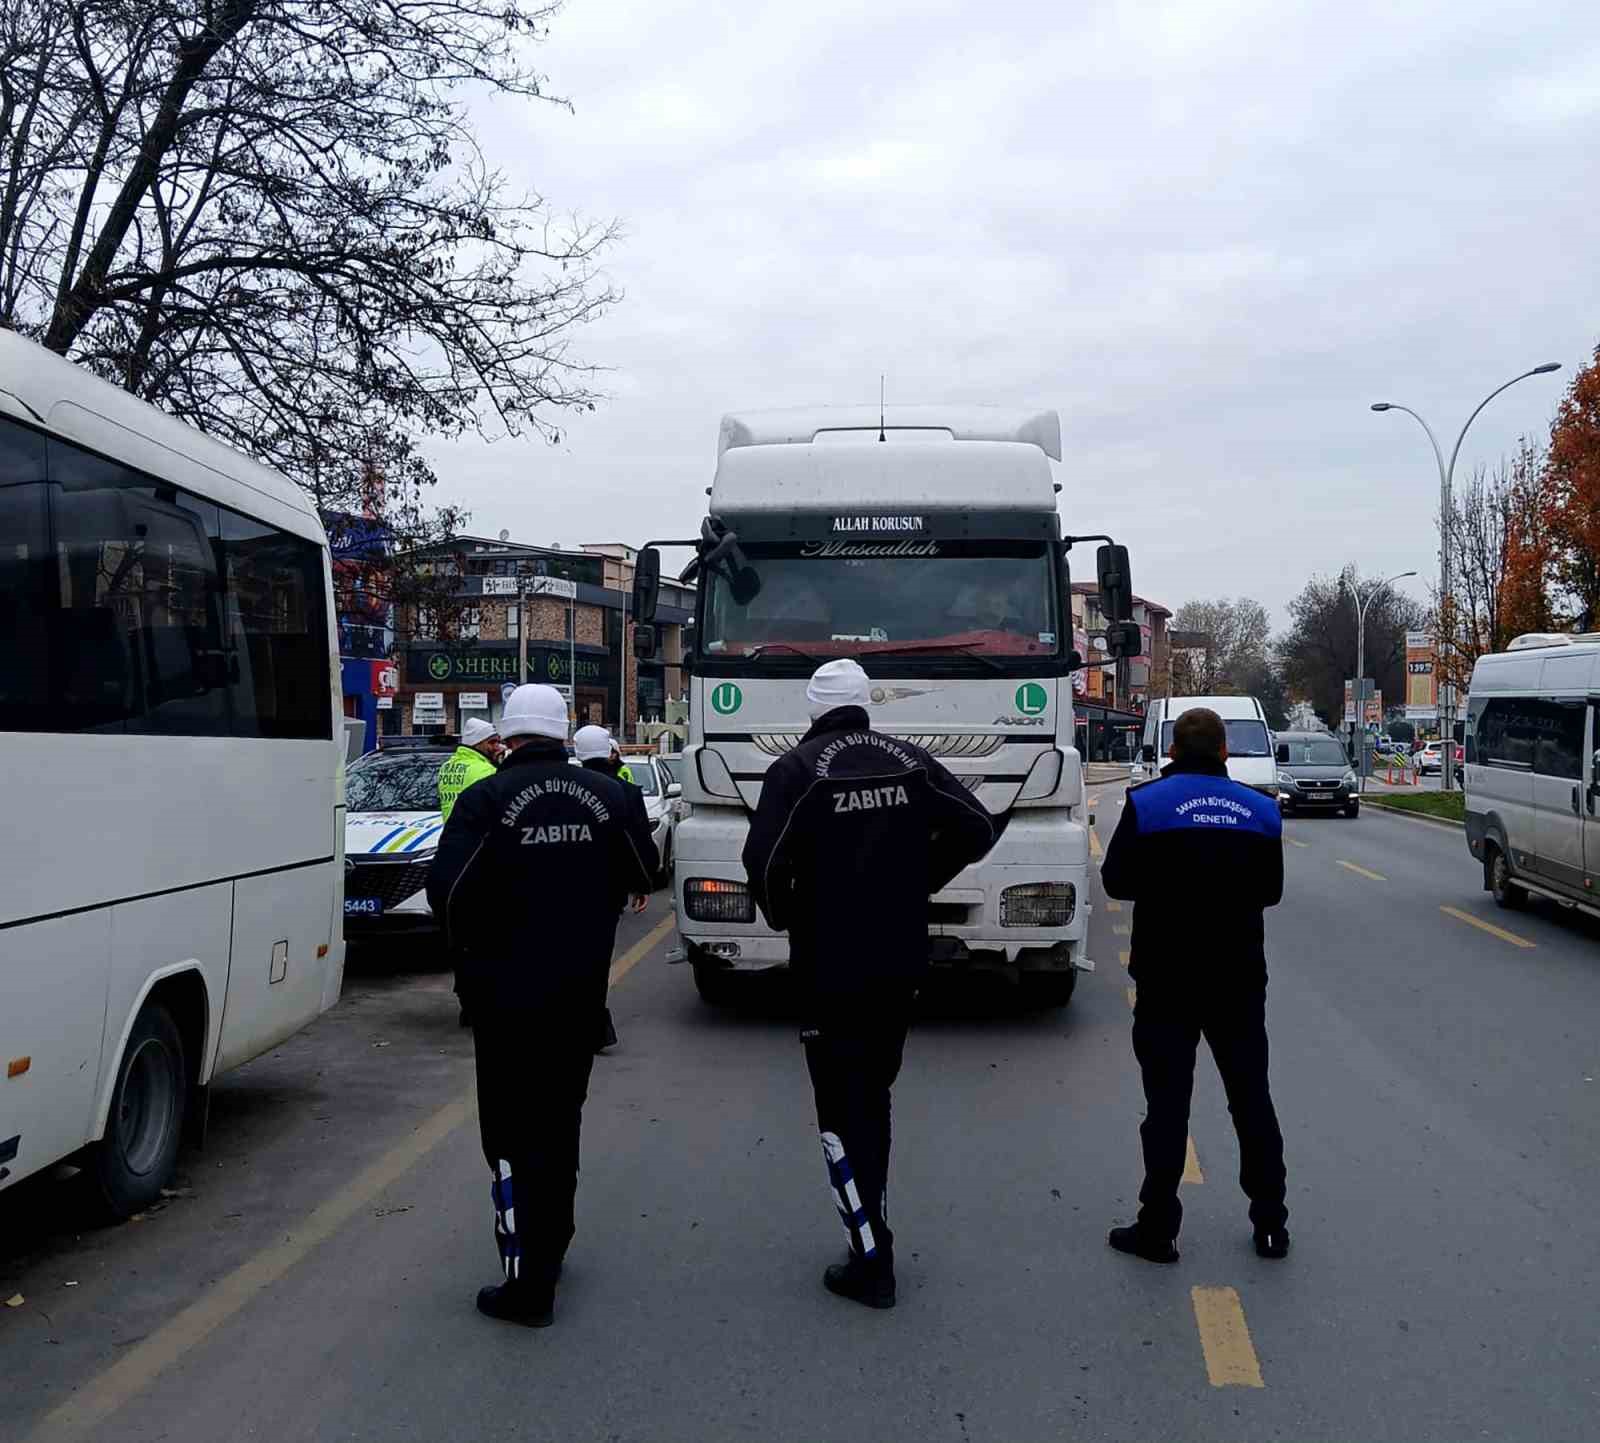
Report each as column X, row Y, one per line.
column 661, row 791
column 391, row 831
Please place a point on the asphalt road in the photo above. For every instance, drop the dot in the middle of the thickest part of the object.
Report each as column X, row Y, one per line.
column 313, row 1277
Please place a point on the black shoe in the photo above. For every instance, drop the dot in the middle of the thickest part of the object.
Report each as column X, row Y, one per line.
column 524, row 1303
column 1142, row 1245
column 872, row 1287
column 1274, row 1244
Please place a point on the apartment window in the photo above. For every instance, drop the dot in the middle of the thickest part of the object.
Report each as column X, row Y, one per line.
column 513, row 622
column 471, row 621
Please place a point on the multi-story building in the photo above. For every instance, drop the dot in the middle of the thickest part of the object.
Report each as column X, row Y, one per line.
column 1112, row 695
column 500, row 612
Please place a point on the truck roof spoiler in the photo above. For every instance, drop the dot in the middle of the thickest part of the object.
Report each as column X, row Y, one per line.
column 962, row 423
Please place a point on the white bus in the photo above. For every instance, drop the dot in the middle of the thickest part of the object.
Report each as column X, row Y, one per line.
column 172, row 875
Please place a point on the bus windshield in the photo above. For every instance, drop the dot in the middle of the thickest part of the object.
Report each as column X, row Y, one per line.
column 993, row 598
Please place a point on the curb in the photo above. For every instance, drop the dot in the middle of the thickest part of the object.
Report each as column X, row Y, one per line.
column 1369, row 801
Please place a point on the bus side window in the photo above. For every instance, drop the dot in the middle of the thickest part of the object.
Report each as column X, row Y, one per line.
column 26, row 602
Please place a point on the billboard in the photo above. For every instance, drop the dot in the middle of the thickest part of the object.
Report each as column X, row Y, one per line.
column 1422, row 677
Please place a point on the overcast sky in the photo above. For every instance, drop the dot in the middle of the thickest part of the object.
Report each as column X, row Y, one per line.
column 1210, row 233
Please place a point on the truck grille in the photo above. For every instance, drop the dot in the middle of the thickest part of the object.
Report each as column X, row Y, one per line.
column 775, row 744
column 393, row 881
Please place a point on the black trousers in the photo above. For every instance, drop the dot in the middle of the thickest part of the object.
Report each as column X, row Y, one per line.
column 532, row 1083
column 1166, row 1035
column 854, row 1059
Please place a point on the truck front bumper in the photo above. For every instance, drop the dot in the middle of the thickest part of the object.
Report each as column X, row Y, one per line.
column 965, row 921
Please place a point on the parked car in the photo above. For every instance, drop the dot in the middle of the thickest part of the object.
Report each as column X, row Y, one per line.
column 661, row 792
column 1314, row 774
column 1429, row 759
column 391, row 831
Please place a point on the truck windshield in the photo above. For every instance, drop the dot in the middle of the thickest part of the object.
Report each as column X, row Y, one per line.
column 960, row 599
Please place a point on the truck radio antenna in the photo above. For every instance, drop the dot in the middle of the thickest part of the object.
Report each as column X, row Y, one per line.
column 881, row 435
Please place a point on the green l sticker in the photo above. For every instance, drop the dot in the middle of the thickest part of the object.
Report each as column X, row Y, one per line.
column 1032, row 698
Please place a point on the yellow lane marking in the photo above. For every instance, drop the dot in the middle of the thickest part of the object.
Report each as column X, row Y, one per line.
column 1122, row 929
column 1225, row 1338
column 1291, row 841
column 1094, row 801
column 1095, row 849
column 1133, row 996
column 1360, row 871
column 641, row 949
column 1488, row 927
column 146, row 1360
column 1191, row 1165
column 1112, row 905
column 1123, row 956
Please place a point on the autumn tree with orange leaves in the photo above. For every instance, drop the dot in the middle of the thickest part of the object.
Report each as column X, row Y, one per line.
column 1573, row 494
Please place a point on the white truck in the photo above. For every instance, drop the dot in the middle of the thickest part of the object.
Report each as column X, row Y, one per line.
column 926, row 544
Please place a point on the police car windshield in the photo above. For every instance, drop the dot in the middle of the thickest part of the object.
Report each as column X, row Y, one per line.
column 398, row 782
column 945, row 599
column 1245, row 739
column 644, row 775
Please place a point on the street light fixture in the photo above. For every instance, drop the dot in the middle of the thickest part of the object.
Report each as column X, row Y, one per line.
column 1447, row 709
column 1359, row 726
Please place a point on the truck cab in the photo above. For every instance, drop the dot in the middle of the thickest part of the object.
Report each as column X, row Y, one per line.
column 927, row 546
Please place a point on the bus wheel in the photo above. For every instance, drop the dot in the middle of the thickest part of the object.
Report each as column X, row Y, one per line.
column 1506, row 892
column 135, row 1159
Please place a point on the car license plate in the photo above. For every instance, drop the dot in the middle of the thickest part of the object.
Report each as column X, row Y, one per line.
column 363, row 906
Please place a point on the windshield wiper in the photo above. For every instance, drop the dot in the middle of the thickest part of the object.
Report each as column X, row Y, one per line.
column 757, row 652
column 933, row 651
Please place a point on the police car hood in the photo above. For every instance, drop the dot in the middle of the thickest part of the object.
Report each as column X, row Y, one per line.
column 371, row 834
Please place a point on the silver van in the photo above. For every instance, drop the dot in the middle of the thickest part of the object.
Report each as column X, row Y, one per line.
column 1532, row 773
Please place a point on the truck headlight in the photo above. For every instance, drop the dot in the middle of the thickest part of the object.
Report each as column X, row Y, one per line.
column 714, row 899
column 1038, row 904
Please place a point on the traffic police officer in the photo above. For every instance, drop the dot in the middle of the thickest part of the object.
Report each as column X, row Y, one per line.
column 595, row 750
column 532, row 872
column 853, row 833
column 471, row 762
column 1200, row 856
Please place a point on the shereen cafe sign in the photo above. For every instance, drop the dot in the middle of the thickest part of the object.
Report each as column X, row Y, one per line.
column 446, row 667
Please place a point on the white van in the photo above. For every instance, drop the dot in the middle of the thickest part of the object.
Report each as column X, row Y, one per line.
column 1532, row 777
column 1249, row 738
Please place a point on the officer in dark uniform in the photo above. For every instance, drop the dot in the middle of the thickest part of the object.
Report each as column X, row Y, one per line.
column 1201, row 857
column 853, row 833
column 533, row 870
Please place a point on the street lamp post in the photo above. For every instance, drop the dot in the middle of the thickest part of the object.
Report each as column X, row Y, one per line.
column 1447, row 711
column 1359, row 726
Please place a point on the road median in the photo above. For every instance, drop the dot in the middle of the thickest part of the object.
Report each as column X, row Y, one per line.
column 1448, row 809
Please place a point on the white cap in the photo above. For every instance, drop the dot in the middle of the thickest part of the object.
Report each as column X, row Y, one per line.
column 476, row 732
column 591, row 742
column 535, row 711
column 836, row 683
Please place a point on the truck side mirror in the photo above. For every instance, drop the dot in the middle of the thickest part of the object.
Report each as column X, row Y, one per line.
column 1147, row 753
column 1282, row 756
column 644, row 641
column 1116, row 584
column 646, row 585
column 1123, row 638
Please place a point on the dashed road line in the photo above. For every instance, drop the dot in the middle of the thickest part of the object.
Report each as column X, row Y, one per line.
column 1191, row 1165
column 1225, row 1339
column 1306, row 846
column 1133, row 997
column 1361, row 871
column 1123, row 955
column 1095, row 849
column 1488, row 927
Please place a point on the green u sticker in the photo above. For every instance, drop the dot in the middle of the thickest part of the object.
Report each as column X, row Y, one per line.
column 726, row 699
